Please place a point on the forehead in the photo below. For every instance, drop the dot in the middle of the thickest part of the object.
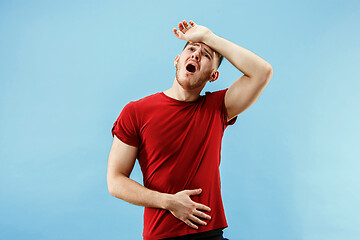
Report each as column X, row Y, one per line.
column 202, row 45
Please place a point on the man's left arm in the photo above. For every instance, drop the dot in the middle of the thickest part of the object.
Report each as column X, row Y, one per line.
column 246, row 89
column 257, row 72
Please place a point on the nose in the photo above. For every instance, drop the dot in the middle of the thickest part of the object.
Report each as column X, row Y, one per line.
column 196, row 55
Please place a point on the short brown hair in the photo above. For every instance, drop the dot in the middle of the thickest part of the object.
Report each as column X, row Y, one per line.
column 220, row 57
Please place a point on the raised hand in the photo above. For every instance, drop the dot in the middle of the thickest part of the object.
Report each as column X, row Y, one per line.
column 192, row 32
column 188, row 211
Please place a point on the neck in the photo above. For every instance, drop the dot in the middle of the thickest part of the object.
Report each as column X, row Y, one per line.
column 179, row 93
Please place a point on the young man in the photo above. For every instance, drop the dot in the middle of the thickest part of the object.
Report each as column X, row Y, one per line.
column 176, row 136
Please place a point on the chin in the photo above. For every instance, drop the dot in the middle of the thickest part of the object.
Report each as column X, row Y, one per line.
column 187, row 84
column 190, row 82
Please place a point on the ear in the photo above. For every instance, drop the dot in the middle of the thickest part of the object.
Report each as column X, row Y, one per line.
column 176, row 60
column 214, row 76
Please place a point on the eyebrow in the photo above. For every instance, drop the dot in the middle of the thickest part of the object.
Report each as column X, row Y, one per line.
column 205, row 48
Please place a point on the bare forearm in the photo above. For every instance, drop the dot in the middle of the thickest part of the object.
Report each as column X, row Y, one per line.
column 244, row 60
column 179, row 204
column 132, row 192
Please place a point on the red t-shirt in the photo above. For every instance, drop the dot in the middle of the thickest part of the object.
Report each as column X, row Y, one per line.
column 179, row 145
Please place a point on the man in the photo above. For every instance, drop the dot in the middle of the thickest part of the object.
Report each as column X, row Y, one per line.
column 176, row 136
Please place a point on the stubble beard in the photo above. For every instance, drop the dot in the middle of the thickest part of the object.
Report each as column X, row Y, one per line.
column 194, row 83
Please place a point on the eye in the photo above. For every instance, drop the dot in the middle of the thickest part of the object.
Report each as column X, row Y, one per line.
column 207, row 56
column 191, row 49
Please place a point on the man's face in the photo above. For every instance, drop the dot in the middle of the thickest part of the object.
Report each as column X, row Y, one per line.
column 195, row 66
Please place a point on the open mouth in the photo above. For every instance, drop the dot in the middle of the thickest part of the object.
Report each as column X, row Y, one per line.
column 191, row 68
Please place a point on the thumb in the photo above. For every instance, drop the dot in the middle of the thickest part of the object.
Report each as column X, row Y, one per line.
column 194, row 192
column 179, row 34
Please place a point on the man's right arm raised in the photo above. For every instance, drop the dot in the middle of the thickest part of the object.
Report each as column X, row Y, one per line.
column 121, row 162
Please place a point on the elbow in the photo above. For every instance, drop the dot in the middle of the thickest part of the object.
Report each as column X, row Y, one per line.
column 263, row 73
column 111, row 186
column 115, row 186
column 267, row 73
column 111, row 189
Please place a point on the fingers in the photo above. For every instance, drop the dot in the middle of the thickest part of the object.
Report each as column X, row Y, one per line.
column 177, row 33
column 198, row 205
column 201, row 215
column 202, row 207
column 193, row 220
column 182, row 27
column 186, row 25
column 190, row 224
column 197, row 220
column 192, row 212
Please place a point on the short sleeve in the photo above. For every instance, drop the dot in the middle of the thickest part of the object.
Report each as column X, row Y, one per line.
column 126, row 126
column 219, row 98
column 224, row 111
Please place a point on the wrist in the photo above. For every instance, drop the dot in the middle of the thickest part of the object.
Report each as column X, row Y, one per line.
column 166, row 200
column 209, row 38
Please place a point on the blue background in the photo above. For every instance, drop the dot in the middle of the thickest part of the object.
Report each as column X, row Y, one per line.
column 290, row 166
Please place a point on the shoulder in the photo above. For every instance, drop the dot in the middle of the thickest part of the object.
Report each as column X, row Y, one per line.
column 144, row 101
column 148, row 98
column 217, row 95
column 142, row 105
